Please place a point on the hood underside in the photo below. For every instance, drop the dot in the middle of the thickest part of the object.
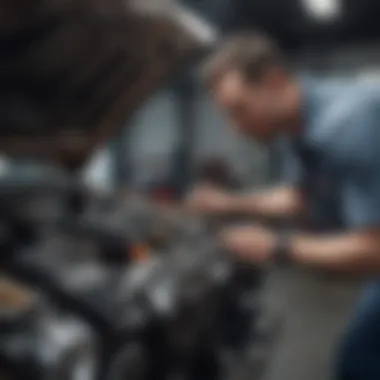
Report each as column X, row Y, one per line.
column 72, row 71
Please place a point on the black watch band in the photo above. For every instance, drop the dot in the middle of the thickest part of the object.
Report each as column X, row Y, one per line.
column 281, row 255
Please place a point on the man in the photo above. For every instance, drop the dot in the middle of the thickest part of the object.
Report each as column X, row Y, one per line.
column 333, row 178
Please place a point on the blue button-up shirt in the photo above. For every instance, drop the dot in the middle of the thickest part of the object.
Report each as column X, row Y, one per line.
column 336, row 158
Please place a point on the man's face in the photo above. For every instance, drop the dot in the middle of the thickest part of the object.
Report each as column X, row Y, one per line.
column 252, row 108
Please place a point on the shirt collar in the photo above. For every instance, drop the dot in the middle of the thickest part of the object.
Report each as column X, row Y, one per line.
column 310, row 101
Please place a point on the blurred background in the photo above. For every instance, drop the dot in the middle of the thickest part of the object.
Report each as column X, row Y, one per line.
column 178, row 136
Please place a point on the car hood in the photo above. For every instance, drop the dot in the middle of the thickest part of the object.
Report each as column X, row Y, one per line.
column 73, row 71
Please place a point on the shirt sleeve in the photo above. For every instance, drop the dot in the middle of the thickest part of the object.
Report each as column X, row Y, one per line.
column 361, row 197
column 361, row 187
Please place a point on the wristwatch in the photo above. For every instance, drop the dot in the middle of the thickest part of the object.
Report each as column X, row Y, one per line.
column 281, row 255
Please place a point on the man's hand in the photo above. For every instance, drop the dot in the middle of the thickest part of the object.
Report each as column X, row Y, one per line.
column 206, row 199
column 279, row 203
column 251, row 243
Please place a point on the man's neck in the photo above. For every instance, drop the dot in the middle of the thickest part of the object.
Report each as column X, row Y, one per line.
column 293, row 120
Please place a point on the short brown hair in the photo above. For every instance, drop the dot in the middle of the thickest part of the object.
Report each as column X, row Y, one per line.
column 251, row 53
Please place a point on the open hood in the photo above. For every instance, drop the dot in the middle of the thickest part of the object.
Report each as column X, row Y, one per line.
column 72, row 71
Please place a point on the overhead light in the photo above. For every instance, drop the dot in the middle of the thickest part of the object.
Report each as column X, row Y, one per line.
column 323, row 10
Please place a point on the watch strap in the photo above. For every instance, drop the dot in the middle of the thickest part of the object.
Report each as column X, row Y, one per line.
column 281, row 255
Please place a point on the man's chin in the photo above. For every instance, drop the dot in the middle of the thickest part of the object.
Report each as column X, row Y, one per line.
column 260, row 139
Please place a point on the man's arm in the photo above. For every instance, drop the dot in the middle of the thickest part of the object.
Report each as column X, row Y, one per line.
column 359, row 249
column 278, row 203
column 283, row 202
column 352, row 252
